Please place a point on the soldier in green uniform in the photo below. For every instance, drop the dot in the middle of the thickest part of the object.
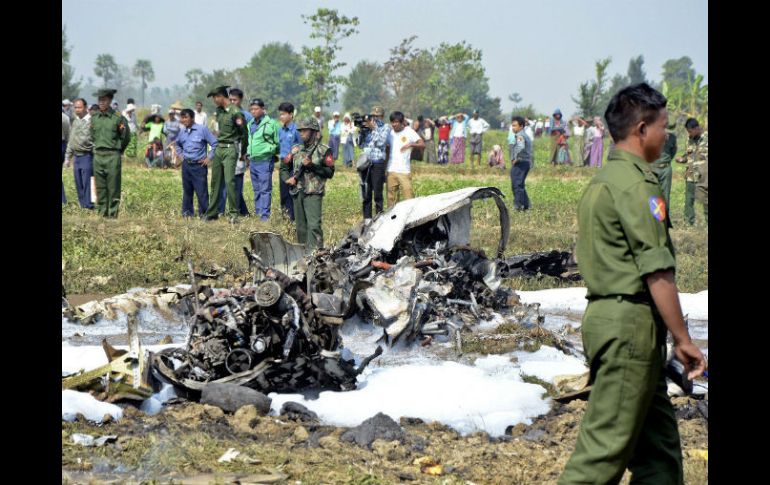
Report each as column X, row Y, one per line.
column 662, row 166
column 696, row 157
column 111, row 134
column 232, row 129
column 626, row 257
column 305, row 170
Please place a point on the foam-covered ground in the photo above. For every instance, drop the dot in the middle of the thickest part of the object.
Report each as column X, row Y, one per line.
column 488, row 394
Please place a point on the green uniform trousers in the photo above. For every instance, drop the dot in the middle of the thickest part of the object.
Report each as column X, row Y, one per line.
column 107, row 169
column 689, row 204
column 223, row 171
column 307, row 214
column 131, row 147
column 663, row 171
column 629, row 421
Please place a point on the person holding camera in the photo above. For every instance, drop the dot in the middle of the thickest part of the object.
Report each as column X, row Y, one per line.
column 372, row 171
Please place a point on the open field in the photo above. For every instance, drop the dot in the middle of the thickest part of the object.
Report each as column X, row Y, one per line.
column 149, row 243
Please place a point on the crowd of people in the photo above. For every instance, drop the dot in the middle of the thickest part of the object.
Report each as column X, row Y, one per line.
column 236, row 140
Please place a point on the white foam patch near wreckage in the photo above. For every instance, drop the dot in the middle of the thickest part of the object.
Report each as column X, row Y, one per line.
column 74, row 402
column 87, row 357
column 573, row 300
column 487, row 396
column 548, row 362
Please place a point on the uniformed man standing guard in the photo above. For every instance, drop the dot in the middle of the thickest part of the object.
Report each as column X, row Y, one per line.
column 696, row 157
column 626, row 257
column 305, row 170
column 111, row 134
column 662, row 166
column 231, row 130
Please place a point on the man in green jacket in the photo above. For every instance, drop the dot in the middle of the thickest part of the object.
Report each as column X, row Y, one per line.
column 262, row 151
column 662, row 166
column 626, row 258
column 305, row 170
column 110, row 134
column 232, row 128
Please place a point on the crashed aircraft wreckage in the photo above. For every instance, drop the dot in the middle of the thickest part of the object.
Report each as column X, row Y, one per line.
column 410, row 271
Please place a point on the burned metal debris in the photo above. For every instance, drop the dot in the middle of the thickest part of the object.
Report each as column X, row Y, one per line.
column 410, row 271
column 268, row 336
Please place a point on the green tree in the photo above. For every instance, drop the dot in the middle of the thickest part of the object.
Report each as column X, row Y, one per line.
column 678, row 72
column 592, row 93
column 273, row 74
column 144, row 71
column 320, row 82
column 636, row 72
column 207, row 82
column 365, row 88
column 69, row 88
column 194, row 77
column 458, row 82
column 106, row 68
column 406, row 74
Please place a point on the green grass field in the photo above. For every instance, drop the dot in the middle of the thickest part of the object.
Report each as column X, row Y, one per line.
column 149, row 243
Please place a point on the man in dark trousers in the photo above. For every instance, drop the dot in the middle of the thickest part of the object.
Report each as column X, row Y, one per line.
column 191, row 144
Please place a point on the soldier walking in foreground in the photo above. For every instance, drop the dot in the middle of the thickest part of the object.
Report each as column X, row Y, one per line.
column 626, row 257
column 110, row 134
column 305, row 170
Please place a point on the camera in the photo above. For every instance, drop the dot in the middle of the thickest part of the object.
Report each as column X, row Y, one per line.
column 362, row 123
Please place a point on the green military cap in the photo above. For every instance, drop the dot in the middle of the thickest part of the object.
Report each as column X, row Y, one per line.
column 378, row 111
column 221, row 90
column 106, row 92
column 309, row 123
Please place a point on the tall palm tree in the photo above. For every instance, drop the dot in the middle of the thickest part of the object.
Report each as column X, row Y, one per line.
column 143, row 69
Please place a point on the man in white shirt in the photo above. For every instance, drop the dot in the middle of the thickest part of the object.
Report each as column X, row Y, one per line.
column 476, row 126
column 401, row 140
column 201, row 118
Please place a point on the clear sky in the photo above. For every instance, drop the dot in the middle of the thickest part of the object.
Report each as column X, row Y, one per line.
column 542, row 50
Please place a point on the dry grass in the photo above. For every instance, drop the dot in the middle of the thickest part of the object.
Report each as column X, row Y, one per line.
column 149, row 243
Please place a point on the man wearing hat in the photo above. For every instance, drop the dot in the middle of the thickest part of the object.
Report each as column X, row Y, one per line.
column 662, row 166
column 305, row 170
column 335, row 132
column 110, row 134
column 236, row 98
column 232, row 126
column 263, row 149
column 66, row 108
column 374, row 148
column 319, row 117
column 130, row 114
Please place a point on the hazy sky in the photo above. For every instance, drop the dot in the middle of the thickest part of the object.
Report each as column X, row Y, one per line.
column 542, row 50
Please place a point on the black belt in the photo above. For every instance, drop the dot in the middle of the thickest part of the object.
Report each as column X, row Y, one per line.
column 192, row 162
column 642, row 298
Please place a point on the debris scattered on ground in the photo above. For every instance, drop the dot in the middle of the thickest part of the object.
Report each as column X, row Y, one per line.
column 88, row 440
column 231, row 397
column 234, row 455
column 380, row 426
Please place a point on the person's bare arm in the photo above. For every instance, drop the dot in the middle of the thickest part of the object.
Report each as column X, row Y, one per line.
column 666, row 297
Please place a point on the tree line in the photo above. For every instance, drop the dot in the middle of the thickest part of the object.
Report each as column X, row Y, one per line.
column 418, row 81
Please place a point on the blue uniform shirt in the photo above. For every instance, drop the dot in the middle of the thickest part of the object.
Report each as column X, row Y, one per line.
column 247, row 115
column 288, row 136
column 192, row 142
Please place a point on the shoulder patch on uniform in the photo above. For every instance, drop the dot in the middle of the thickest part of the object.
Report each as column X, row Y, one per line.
column 328, row 159
column 657, row 208
column 295, row 149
